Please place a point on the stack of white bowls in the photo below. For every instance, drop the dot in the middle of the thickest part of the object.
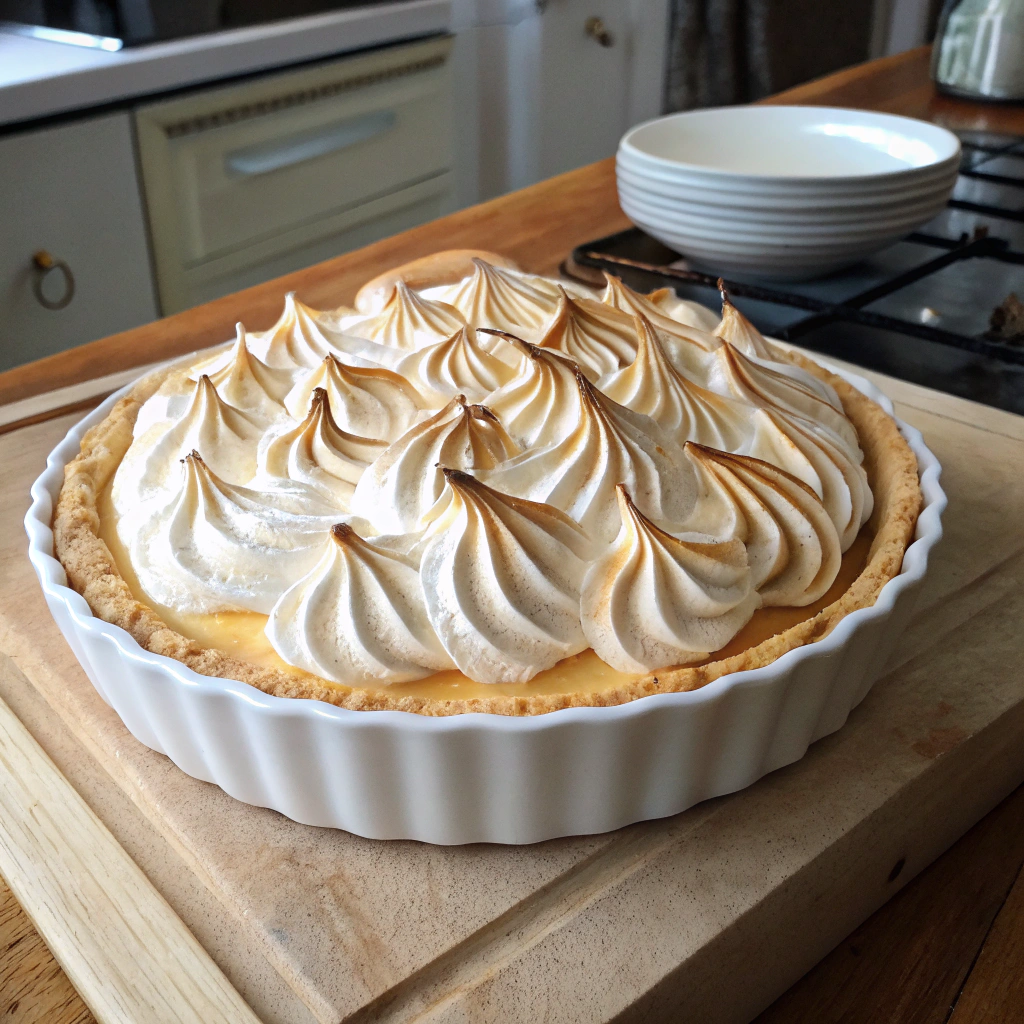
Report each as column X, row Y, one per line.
column 783, row 193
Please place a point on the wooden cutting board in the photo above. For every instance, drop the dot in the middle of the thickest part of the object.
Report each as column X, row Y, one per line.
column 713, row 912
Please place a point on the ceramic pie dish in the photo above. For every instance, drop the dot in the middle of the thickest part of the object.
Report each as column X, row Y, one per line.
column 529, row 769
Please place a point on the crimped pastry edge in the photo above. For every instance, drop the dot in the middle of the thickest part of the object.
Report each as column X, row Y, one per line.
column 92, row 572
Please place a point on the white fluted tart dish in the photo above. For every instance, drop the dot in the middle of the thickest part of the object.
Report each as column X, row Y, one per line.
column 484, row 558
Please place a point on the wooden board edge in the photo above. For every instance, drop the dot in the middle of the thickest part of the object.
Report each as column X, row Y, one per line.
column 126, row 951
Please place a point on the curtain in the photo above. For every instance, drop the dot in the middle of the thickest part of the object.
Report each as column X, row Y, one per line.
column 736, row 51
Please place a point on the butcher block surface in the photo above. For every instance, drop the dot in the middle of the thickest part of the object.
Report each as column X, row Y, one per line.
column 711, row 914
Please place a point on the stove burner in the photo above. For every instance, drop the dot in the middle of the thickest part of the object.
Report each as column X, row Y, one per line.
column 939, row 308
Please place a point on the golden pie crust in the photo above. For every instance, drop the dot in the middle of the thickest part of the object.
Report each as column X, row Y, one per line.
column 92, row 571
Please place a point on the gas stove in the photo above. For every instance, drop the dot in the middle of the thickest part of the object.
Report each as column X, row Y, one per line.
column 943, row 308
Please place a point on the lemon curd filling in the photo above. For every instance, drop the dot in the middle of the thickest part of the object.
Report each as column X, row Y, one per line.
column 241, row 634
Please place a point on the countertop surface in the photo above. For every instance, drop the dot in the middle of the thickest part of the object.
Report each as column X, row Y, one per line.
column 40, row 79
column 948, row 946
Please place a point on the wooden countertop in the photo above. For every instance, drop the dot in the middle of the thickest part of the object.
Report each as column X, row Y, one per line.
column 948, row 947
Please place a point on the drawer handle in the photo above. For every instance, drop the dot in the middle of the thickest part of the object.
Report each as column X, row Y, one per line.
column 44, row 265
column 297, row 149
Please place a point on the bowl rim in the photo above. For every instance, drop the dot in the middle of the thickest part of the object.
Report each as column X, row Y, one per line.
column 53, row 581
column 939, row 134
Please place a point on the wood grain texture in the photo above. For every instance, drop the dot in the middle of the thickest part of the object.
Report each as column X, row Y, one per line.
column 124, row 949
column 33, row 988
column 908, row 963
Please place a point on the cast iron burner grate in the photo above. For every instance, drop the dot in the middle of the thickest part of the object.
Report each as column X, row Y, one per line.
column 922, row 310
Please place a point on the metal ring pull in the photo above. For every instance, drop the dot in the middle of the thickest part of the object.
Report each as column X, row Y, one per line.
column 597, row 29
column 45, row 264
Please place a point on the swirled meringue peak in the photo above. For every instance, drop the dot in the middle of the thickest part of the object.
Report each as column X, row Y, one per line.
column 406, row 321
column 303, row 337
column 652, row 600
column 501, row 578
column 814, row 456
column 368, row 402
column 792, row 545
column 652, row 385
column 608, row 444
column 246, row 383
column 149, row 468
column 660, row 305
column 405, row 481
column 540, row 404
column 217, row 547
column 316, row 453
column 357, row 617
column 500, row 298
column 736, row 329
column 457, row 365
column 597, row 337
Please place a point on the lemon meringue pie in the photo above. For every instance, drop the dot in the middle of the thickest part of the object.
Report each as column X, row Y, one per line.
column 487, row 490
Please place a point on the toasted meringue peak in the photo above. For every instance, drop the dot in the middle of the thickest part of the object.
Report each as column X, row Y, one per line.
column 303, row 337
column 608, row 444
column 405, row 481
column 601, row 339
column 227, row 436
column 653, row 386
column 407, row 321
column 767, row 387
column 736, row 329
column 814, row 456
column 792, row 545
column 457, row 365
column 667, row 312
column 540, row 405
column 317, row 453
column 357, row 617
column 501, row 298
column 368, row 402
column 501, row 578
column 250, row 385
column 217, row 547
column 652, row 600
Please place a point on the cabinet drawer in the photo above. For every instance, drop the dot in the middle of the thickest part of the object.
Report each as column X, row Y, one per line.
column 71, row 190
column 233, row 167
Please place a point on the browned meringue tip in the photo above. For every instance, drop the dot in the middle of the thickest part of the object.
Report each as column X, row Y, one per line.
column 481, row 412
column 457, row 476
column 193, row 456
column 342, row 533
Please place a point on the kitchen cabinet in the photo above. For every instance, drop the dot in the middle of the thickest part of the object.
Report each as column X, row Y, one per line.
column 251, row 180
column 71, row 191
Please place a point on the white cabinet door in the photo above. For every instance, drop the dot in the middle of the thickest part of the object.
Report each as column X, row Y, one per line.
column 72, row 191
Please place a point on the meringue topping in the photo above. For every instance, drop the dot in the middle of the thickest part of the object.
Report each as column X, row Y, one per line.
column 652, row 385
column 317, row 453
column 501, row 578
column 663, row 308
column 540, row 405
column 457, row 365
column 227, row 435
column 364, row 401
column 813, row 456
column 653, row 600
column 500, row 298
column 609, row 444
column 792, row 546
column 246, row 383
column 215, row 546
column 597, row 337
column 405, row 481
column 736, row 329
column 303, row 337
column 357, row 617
column 407, row 321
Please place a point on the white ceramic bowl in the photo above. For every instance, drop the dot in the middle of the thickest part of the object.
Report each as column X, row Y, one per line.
column 484, row 778
column 784, row 192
